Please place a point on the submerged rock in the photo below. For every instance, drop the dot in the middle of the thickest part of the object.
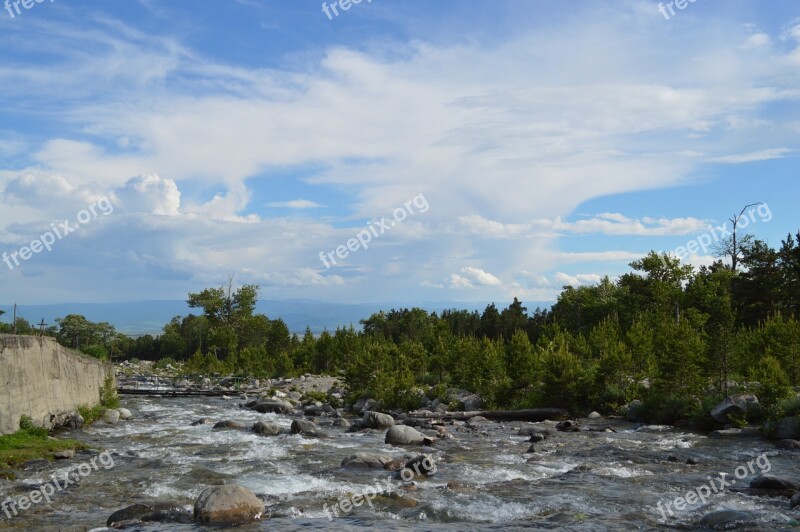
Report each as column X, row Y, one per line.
column 227, row 505
column 775, row 482
column 419, row 466
column 230, row 424
column 795, row 502
column 266, row 428
column 365, row 461
column 727, row 519
column 161, row 512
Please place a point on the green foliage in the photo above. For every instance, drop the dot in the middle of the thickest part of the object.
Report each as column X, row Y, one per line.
column 789, row 407
column 773, row 382
column 31, row 443
column 91, row 414
column 108, row 393
column 25, row 422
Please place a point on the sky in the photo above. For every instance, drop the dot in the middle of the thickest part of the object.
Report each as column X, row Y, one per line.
column 447, row 150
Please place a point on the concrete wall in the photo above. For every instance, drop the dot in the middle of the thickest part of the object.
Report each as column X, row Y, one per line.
column 41, row 379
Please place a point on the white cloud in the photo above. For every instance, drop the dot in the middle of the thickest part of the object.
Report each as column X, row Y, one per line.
column 578, row 280
column 456, row 281
column 481, row 277
column 295, row 204
column 763, row 155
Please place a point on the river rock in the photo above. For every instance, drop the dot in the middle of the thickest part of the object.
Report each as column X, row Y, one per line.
column 536, row 429
column 728, row 519
column 595, row 415
column 740, row 405
column 125, row 414
column 795, row 500
column 266, row 428
column 405, row 435
column 65, row 454
column 568, row 426
column 230, row 424
column 365, row 461
column 304, row 427
column 274, row 406
column 227, row 505
column 376, row 420
column 368, row 406
column 201, row 421
column 111, row 416
column 788, row 444
column 341, row 422
column 162, row 512
column 419, row 466
column 775, row 482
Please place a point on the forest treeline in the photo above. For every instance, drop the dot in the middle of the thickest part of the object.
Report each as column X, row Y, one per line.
column 676, row 338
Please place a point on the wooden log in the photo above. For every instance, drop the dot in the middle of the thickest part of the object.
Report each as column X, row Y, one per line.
column 531, row 414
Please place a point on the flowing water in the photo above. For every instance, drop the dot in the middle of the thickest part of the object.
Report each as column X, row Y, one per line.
column 591, row 480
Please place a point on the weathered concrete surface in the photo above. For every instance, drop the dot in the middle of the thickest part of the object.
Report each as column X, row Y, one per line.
column 41, row 379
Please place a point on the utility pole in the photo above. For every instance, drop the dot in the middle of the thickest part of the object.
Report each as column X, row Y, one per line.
column 15, row 319
column 41, row 327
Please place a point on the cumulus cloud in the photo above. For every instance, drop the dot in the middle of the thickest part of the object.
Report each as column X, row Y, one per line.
column 150, row 194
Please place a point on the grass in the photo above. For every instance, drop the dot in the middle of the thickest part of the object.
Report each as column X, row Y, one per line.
column 32, row 443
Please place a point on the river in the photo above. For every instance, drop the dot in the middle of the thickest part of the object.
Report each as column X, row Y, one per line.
column 590, row 480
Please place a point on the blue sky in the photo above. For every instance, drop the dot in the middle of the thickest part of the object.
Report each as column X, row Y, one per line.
column 552, row 143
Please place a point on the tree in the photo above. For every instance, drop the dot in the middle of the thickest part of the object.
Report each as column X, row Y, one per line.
column 733, row 245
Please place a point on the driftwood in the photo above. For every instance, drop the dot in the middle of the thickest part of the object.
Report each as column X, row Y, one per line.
column 532, row 414
column 175, row 393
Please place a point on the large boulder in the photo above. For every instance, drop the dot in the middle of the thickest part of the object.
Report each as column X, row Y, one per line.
column 227, row 505
column 266, row 428
column 161, row 512
column 376, row 420
column 405, row 435
column 304, row 427
column 365, row 461
column 735, row 406
column 274, row 406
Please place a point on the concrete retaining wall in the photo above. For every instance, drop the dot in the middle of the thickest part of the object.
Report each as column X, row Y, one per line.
column 41, row 379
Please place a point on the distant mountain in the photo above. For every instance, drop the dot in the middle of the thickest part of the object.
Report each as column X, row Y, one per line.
column 148, row 317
